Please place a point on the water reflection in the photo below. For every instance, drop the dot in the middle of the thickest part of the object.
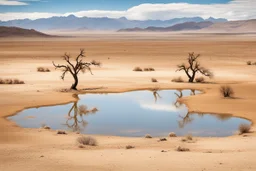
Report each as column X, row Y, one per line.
column 75, row 116
column 156, row 112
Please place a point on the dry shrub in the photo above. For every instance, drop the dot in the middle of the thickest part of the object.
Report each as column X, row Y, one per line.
column 182, row 149
column 46, row 127
column 42, row 69
column 249, row 62
column 11, row 81
column 61, row 132
column 162, row 139
column 129, row 147
column 178, row 80
column 189, row 137
column 172, row 134
column 154, row 80
column 226, row 91
column 254, row 63
column 149, row 69
column 148, row 136
column 83, row 140
column 138, row 69
column 244, row 128
column 200, row 80
column 81, row 146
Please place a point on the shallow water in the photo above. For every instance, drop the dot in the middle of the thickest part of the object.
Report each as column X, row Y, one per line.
column 130, row 114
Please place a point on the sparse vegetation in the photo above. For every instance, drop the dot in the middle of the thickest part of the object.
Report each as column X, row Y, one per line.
column 74, row 69
column 172, row 134
column 148, row 136
column 244, row 128
column 226, row 91
column 137, row 69
column 200, row 80
column 83, row 140
column 162, row 139
column 154, row 80
column 178, row 80
column 11, row 81
column 42, row 69
column 129, row 147
column 149, row 69
column 249, row 62
column 188, row 138
column 61, row 132
column 193, row 67
column 182, row 149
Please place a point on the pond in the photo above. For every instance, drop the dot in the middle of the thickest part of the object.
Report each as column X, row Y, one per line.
column 131, row 114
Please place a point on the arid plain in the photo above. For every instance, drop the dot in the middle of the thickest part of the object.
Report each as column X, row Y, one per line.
column 36, row 149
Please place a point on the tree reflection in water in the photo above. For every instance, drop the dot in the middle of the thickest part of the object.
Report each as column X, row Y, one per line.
column 75, row 116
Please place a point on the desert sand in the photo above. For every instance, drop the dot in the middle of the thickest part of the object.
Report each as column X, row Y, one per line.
column 38, row 149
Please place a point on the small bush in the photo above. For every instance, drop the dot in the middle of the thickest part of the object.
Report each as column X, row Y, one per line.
column 154, row 80
column 182, row 149
column 145, row 69
column 11, row 81
column 87, row 141
column 151, row 69
column 61, row 132
column 254, row 63
column 189, row 137
column 129, row 147
column 200, row 80
column 162, row 139
column 42, row 69
column 138, row 69
column 46, row 127
column 226, row 91
column 178, row 80
column 244, row 128
column 148, row 136
column 172, row 134
column 249, row 62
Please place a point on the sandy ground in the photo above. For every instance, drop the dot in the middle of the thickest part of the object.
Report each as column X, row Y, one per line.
column 36, row 149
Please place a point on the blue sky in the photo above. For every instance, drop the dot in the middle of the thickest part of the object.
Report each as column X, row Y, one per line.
column 131, row 9
column 63, row 6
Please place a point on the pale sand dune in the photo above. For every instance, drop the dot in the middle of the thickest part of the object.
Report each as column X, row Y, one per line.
column 21, row 149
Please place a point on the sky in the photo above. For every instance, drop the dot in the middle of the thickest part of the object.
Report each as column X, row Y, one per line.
column 131, row 9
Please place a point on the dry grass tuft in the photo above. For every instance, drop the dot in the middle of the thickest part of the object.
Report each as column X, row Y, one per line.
column 137, row 69
column 200, row 80
column 61, row 132
column 182, row 149
column 162, row 139
column 148, row 136
column 178, row 80
column 249, row 62
column 129, row 147
column 87, row 141
column 226, row 91
column 172, row 134
column 154, row 80
column 42, row 69
column 188, row 138
column 244, row 128
column 11, row 81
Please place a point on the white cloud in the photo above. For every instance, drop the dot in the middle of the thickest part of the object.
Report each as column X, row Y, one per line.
column 11, row 2
column 234, row 10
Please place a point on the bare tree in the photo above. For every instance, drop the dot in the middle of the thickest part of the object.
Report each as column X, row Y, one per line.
column 193, row 67
column 74, row 69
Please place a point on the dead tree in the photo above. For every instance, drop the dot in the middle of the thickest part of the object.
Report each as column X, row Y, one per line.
column 193, row 67
column 74, row 69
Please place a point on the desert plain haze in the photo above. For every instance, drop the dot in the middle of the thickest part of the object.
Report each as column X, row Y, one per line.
column 52, row 119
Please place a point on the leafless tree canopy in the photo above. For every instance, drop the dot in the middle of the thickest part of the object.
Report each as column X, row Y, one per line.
column 194, row 67
column 74, row 69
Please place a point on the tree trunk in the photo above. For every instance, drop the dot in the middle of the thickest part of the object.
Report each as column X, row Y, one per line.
column 73, row 87
column 191, row 79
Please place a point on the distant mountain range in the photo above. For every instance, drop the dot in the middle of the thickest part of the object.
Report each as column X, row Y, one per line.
column 19, row 32
column 84, row 23
column 177, row 27
column 245, row 26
